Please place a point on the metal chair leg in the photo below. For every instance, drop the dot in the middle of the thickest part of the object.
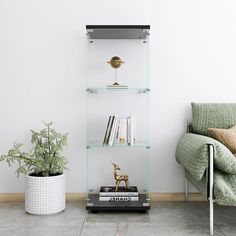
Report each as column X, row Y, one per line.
column 211, row 212
column 186, row 190
column 210, row 188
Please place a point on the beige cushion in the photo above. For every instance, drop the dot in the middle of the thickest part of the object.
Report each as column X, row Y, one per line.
column 225, row 136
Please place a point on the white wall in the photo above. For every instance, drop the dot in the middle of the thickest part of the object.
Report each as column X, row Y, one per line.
column 43, row 71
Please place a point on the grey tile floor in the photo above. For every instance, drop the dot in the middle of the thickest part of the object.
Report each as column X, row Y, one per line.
column 164, row 218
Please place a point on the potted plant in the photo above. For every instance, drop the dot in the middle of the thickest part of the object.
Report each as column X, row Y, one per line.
column 43, row 167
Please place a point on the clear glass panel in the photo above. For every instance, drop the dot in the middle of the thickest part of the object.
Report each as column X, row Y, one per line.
column 133, row 162
column 103, row 102
column 101, row 106
column 132, row 73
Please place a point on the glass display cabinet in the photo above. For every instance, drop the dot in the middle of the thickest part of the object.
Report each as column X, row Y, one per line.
column 118, row 141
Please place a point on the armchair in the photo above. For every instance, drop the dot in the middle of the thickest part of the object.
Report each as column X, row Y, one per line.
column 208, row 164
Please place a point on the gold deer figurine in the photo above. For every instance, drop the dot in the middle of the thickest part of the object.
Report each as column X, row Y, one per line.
column 120, row 178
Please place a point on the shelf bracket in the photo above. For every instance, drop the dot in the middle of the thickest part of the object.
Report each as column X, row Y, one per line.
column 146, row 90
column 90, row 90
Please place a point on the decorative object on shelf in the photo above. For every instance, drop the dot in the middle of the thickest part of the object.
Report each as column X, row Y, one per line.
column 120, row 178
column 43, row 166
column 115, row 63
column 120, row 131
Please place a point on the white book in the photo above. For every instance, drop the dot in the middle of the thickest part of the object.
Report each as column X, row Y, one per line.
column 116, row 139
column 117, row 86
column 129, row 130
column 132, row 130
column 113, row 130
column 119, row 199
column 123, row 131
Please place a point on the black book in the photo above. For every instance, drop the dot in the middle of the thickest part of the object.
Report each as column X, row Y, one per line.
column 122, row 191
column 122, row 198
column 109, row 129
column 106, row 133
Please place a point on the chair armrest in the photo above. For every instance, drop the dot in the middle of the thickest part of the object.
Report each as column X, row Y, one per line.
column 192, row 153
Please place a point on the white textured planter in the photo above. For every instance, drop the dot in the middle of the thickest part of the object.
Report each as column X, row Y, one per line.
column 44, row 195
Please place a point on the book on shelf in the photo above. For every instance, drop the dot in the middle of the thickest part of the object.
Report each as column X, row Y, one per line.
column 113, row 130
column 131, row 191
column 118, row 199
column 131, row 130
column 117, row 86
column 105, row 140
column 120, row 131
column 110, row 128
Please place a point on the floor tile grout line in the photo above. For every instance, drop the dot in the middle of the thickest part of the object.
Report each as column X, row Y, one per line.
column 219, row 229
column 215, row 225
column 38, row 227
column 82, row 226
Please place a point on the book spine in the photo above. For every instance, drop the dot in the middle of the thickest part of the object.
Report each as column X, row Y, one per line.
column 119, row 199
column 116, row 141
column 129, row 130
column 106, row 133
column 117, row 194
column 109, row 130
column 132, row 130
column 123, row 131
column 113, row 130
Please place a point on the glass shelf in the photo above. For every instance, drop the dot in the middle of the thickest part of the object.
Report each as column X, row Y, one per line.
column 137, row 145
column 104, row 90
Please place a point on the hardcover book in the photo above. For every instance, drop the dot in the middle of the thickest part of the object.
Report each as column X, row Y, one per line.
column 113, row 130
column 122, row 191
column 119, row 199
column 105, row 140
column 117, row 86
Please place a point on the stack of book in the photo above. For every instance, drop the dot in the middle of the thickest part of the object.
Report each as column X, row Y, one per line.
column 108, row 193
column 117, row 86
column 120, row 131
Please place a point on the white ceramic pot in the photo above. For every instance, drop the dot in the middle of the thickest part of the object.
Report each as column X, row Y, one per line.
column 44, row 195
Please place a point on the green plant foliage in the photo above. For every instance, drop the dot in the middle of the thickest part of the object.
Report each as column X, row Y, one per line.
column 45, row 158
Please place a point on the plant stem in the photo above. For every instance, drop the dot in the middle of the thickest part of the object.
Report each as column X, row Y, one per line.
column 49, row 150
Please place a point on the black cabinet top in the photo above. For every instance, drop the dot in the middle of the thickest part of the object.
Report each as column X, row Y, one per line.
column 117, row 31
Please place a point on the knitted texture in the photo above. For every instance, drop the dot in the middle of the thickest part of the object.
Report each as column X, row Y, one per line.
column 212, row 115
column 192, row 153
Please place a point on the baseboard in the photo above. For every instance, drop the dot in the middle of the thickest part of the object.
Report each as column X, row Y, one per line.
column 12, row 197
column 175, row 197
column 71, row 197
column 154, row 196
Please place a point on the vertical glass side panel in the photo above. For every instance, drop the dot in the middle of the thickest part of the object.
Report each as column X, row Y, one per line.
column 147, row 64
